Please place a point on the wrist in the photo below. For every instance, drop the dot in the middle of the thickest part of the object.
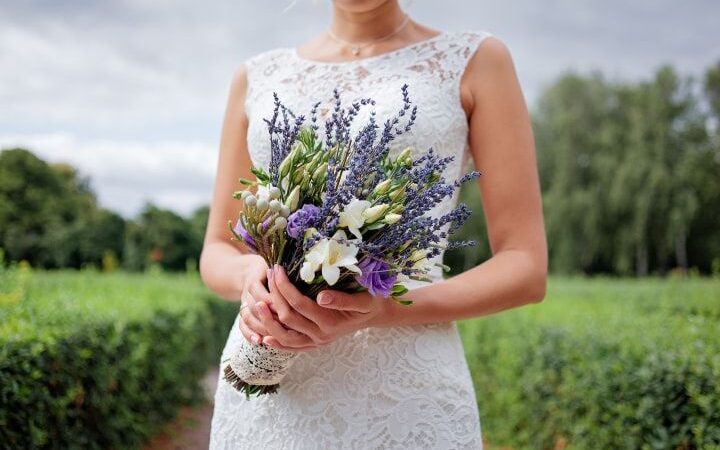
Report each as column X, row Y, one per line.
column 387, row 314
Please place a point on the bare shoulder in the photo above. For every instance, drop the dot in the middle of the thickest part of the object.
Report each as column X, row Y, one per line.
column 238, row 90
column 491, row 67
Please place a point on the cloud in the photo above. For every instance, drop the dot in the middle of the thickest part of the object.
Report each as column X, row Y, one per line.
column 138, row 88
column 176, row 175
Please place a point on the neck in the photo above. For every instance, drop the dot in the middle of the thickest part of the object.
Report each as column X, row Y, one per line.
column 367, row 25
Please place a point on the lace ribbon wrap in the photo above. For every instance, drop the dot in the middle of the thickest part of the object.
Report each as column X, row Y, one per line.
column 257, row 368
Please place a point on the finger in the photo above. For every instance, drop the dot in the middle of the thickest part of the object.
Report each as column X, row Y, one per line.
column 286, row 314
column 258, row 291
column 253, row 323
column 288, row 338
column 249, row 335
column 272, row 342
column 361, row 302
column 299, row 302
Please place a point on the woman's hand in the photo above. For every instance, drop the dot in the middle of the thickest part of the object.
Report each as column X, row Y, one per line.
column 253, row 291
column 302, row 324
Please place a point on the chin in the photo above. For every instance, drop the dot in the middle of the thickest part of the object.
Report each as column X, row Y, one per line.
column 359, row 6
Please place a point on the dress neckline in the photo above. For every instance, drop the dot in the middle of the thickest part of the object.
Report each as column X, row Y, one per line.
column 294, row 52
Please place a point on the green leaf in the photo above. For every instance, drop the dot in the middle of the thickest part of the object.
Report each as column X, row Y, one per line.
column 398, row 290
column 260, row 174
column 402, row 302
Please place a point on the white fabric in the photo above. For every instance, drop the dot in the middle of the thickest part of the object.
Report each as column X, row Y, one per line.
column 381, row 388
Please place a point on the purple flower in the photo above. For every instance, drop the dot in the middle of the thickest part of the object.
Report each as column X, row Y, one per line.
column 376, row 276
column 301, row 220
column 242, row 232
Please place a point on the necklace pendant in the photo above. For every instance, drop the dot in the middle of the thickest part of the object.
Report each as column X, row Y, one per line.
column 355, row 50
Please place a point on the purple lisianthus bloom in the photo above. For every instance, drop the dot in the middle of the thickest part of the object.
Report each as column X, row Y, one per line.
column 242, row 232
column 376, row 276
column 301, row 220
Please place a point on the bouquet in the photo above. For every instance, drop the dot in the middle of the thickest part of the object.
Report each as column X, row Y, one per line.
column 341, row 212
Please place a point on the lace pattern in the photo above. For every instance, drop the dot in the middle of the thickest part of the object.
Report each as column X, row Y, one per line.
column 381, row 388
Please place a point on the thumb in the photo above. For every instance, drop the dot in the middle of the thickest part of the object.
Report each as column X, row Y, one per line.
column 360, row 302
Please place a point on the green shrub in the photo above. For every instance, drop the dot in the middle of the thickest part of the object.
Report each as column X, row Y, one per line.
column 91, row 360
column 602, row 364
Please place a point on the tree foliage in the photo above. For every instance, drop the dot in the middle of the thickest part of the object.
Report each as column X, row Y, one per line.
column 629, row 174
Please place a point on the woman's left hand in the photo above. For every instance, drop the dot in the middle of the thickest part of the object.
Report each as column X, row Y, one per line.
column 334, row 315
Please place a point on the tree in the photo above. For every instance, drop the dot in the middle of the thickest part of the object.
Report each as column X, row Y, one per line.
column 159, row 236
column 49, row 214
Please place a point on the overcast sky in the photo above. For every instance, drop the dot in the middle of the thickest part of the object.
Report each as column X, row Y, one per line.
column 133, row 91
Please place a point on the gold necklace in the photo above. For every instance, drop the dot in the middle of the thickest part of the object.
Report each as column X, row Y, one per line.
column 355, row 48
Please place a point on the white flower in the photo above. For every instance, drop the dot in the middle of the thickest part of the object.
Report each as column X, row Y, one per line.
column 352, row 216
column 263, row 193
column 329, row 255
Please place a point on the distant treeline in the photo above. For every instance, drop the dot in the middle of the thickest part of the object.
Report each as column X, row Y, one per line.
column 50, row 217
column 630, row 174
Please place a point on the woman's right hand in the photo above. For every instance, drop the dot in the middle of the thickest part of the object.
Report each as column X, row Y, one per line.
column 253, row 291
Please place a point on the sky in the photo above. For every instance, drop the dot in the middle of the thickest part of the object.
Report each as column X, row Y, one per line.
column 132, row 92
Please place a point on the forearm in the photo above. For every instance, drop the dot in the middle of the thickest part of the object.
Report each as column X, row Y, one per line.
column 224, row 269
column 509, row 279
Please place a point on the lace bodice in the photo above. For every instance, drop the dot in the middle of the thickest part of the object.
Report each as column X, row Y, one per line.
column 432, row 68
column 381, row 388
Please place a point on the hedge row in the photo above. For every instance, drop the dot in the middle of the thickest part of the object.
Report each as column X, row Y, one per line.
column 602, row 364
column 97, row 361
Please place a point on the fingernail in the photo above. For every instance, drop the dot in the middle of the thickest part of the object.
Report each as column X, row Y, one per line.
column 324, row 298
column 259, row 309
column 269, row 274
column 255, row 339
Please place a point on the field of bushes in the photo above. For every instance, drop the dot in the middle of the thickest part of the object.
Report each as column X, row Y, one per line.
column 96, row 360
column 602, row 363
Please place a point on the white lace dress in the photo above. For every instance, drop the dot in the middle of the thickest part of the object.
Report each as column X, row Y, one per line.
column 381, row 388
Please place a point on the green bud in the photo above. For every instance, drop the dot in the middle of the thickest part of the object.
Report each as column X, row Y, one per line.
column 392, row 218
column 292, row 200
column 374, row 212
column 285, row 165
column 320, row 172
column 397, row 194
column 382, row 187
column 298, row 175
column 315, row 161
column 284, row 211
column 405, row 156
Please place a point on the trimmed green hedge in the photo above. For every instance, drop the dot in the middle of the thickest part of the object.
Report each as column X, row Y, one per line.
column 600, row 364
column 95, row 361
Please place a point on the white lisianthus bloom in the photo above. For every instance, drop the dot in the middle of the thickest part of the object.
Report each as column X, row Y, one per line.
column 329, row 255
column 352, row 216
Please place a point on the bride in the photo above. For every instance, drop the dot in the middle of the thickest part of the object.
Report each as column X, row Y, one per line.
column 372, row 374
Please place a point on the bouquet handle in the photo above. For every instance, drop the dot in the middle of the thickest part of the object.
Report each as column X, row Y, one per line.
column 257, row 369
